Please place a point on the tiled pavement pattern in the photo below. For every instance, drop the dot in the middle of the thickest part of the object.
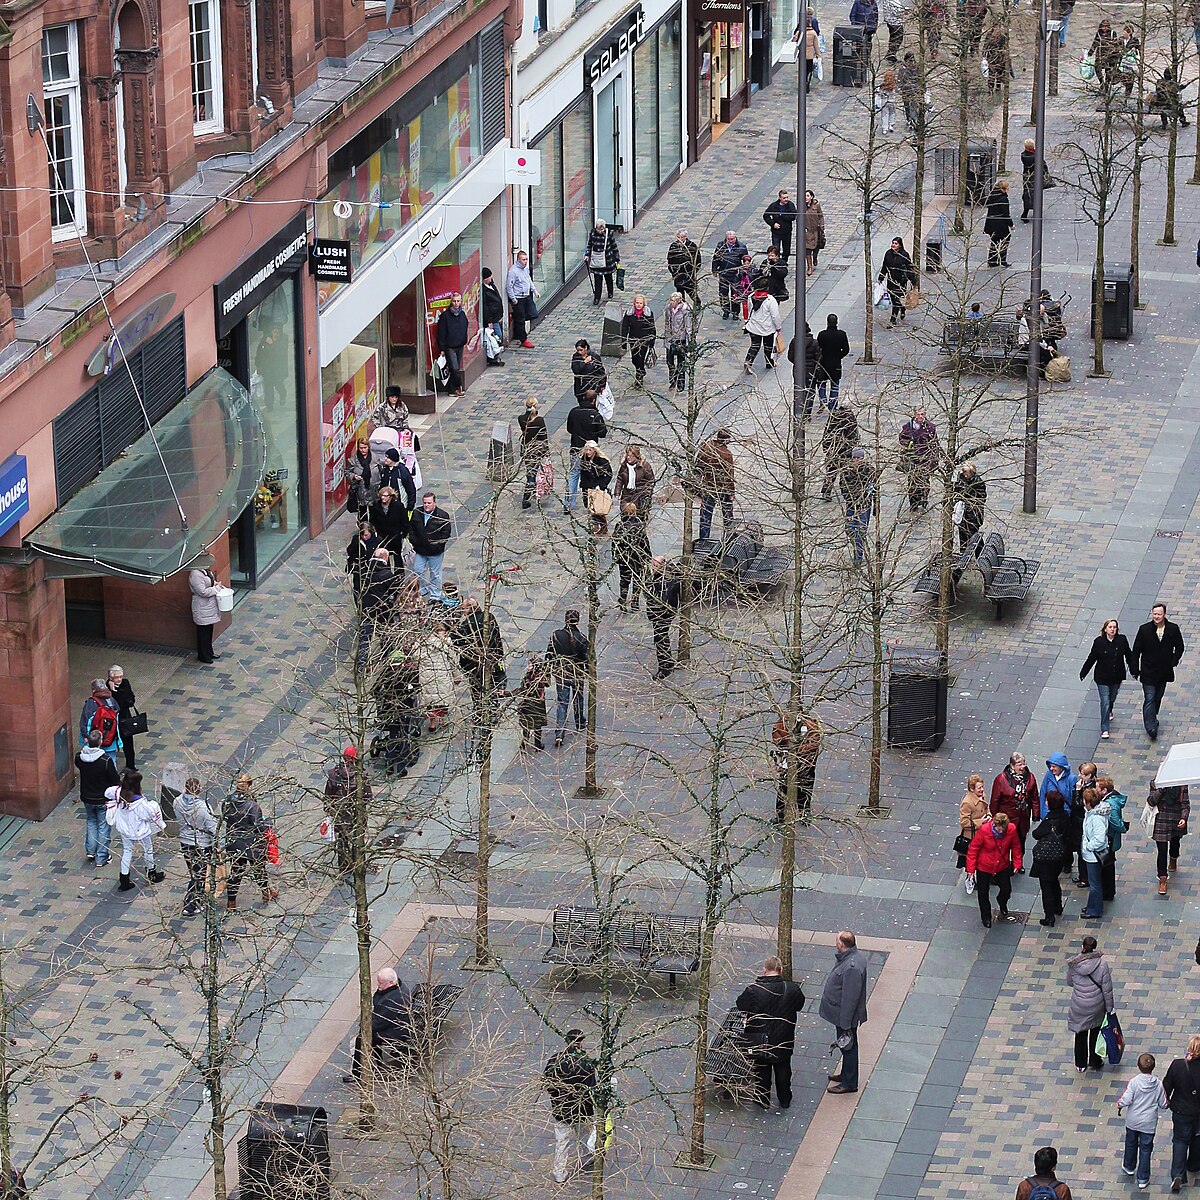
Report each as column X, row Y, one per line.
column 1126, row 469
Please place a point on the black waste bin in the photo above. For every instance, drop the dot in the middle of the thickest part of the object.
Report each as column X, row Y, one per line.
column 918, row 689
column 1118, row 300
column 933, row 255
column 849, row 56
column 981, row 170
column 285, row 1153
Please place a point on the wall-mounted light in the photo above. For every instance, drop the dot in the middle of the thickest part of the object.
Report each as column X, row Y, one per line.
column 33, row 115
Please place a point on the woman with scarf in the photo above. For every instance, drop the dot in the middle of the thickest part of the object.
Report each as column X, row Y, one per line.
column 1015, row 792
column 638, row 335
column 972, row 813
column 763, row 326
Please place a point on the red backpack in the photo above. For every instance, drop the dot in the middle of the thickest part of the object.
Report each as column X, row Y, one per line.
column 104, row 719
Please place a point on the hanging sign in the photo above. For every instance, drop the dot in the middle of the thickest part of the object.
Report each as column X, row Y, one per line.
column 330, row 260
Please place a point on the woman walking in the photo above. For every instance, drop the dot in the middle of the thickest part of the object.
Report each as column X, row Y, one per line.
column 535, row 445
column 638, row 335
column 197, row 833
column 1094, row 851
column 595, row 474
column 679, row 325
column 1015, row 793
column 136, row 821
column 814, row 231
column 246, row 842
column 602, row 259
column 763, row 326
column 994, row 854
column 1171, row 811
column 898, row 274
column 631, row 549
column 1028, row 163
column 1051, row 853
column 1110, row 654
column 635, row 482
column 999, row 224
column 1090, row 981
column 122, row 692
column 972, row 813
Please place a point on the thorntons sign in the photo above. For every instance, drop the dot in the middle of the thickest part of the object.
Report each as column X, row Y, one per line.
column 255, row 277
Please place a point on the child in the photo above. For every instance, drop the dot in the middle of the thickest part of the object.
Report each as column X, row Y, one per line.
column 531, row 704
column 137, row 820
column 1145, row 1099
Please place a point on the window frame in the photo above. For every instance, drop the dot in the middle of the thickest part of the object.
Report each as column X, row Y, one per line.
column 210, row 124
column 70, row 89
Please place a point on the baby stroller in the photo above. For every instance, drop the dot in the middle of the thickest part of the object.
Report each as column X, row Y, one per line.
column 397, row 694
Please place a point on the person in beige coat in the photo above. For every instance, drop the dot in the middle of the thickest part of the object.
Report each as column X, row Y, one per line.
column 440, row 674
column 972, row 812
column 204, row 586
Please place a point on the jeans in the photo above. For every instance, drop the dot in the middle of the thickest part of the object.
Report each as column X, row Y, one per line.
column 662, row 645
column 454, row 363
column 428, row 569
column 1166, row 849
column 983, row 888
column 1062, row 33
column 1095, row 898
column 677, row 365
column 564, row 1134
column 99, row 833
column 887, row 114
column 849, row 1070
column 498, row 330
column 1138, row 1147
column 1085, row 1049
column 127, row 846
column 858, row 521
column 781, row 1071
column 566, row 693
column 1185, row 1145
column 707, row 506
column 1152, row 698
column 197, row 859
column 764, row 343
column 573, row 477
column 1108, row 701
column 835, row 383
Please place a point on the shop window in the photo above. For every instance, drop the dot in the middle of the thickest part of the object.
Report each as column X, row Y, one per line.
column 64, row 130
column 204, row 24
column 670, row 100
column 645, row 122
column 546, row 216
column 784, row 16
column 577, row 183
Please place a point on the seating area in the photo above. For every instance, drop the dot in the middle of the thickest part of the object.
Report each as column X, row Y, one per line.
column 1005, row 577
column 730, row 1069
column 431, row 1006
column 739, row 564
column 929, row 582
column 984, row 342
column 651, row 943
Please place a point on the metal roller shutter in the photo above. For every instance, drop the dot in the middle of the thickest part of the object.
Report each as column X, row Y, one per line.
column 494, row 107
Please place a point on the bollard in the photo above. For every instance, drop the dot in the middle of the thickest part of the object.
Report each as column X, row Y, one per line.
column 785, row 152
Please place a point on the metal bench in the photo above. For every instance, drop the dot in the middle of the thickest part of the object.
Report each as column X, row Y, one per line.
column 930, row 581
column 729, row 1068
column 430, row 1008
column 674, row 947
column 983, row 341
column 575, row 938
column 1005, row 576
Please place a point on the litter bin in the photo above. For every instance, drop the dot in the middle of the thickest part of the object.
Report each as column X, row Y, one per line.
column 918, row 689
column 849, row 56
column 285, row 1153
column 610, row 337
column 981, row 170
column 1118, row 300
column 933, row 255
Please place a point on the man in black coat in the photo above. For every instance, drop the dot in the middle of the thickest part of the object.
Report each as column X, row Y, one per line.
column 391, row 1020
column 771, row 1004
column 429, row 532
column 493, row 313
column 837, row 441
column 567, row 656
column 570, row 1079
column 375, row 601
column 662, row 603
column 480, row 652
column 1157, row 650
column 588, row 371
column 832, row 346
column 452, row 329
column 780, row 218
column 683, row 262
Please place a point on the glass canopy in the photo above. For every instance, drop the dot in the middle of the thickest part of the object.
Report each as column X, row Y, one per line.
column 172, row 493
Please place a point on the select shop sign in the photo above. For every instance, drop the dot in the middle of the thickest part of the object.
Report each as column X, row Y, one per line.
column 620, row 41
column 14, row 491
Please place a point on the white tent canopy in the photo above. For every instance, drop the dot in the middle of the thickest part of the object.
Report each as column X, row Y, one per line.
column 1182, row 765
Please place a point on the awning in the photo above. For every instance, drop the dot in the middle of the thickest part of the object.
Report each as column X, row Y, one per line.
column 1181, row 766
column 206, row 456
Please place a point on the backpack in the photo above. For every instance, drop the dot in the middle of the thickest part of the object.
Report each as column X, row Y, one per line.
column 1041, row 1191
column 106, row 720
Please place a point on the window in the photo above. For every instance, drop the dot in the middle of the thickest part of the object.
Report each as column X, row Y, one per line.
column 64, row 130
column 670, row 100
column 645, row 123
column 208, row 115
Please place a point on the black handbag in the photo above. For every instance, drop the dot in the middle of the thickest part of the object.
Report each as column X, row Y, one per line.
column 136, row 722
column 962, row 844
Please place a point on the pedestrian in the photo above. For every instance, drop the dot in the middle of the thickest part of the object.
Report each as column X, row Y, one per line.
column 205, row 612
column 1117, row 828
column 1015, row 793
column 1166, row 99
column 995, row 54
column 972, row 812
column 898, row 274
column 584, row 424
column 1065, row 9
column 683, row 264
column 998, row 224
column 1043, row 1184
column 1051, row 853
column 531, row 703
column 493, row 317
column 806, row 734
column 197, row 836
column 969, row 491
column 522, row 297
column 780, row 218
column 1028, row 166
column 126, row 702
column 570, row 1081
column 908, row 79
column 763, row 327
column 1106, row 54
column 1182, row 1085
column 833, row 346
column 744, row 285
column 136, row 819
column 662, row 603
column 602, row 259
column 481, row 657
column 1109, row 655
column 994, row 854
column 389, row 518
column 452, row 331
column 348, row 800
column 894, row 13
column 1143, row 1099
column 438, row 672
column 375, row 602
column 1094, row 851
column 391, row 1022
column 814, row 231
column 774, row 272
column 887, row 101
column 631, row 551
column 595, row 475
column 395, row 474
column 771, row 1004
column 1172, row 808
column 920, row 453
column 429, row 533
column 635, row 481
column 812, row 51
column 838, row 440
column 535, row 446
column 679, row 330
column 97, row 773
column 100, row 714
column 1090, row 981
column 392, row 413
column 727, row 267
column 587, row 370
column 245, row 841
column 812, row 356
column 638, row 335
column 362, row 478
column 866, row 14
column 1157, row 649
column 1060, row 780
column 715, row 481
column 567, row 658
column 844, row 1006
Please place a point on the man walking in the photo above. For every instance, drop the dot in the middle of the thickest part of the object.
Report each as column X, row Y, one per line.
column 570, row 1079
column 860, row 489
column 97, row 773
column 567, row 654
column 662, row 603
column 780, row 219
column 1043, row 1183
column 452, row 327
column 1182, row 1084
column 518, row 286
column 727, row 267
column 391, row 1021
column 844, row 1006
column 919, row 454
column 584, row 424
column 838, row 441
column 342, row 784
column 832, row 346
column 1157, row 650
column 715, row 481
column 771, row 1004
column 429, row 532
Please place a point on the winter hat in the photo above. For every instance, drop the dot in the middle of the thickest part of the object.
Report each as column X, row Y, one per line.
column 393, row 455
column 486, row 272
column 350, row 752
column 858, row 452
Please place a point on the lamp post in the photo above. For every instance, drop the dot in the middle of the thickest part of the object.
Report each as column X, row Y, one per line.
column 1033, row 381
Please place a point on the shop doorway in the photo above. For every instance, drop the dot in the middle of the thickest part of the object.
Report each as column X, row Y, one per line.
column 760, row 55
column 614, row 154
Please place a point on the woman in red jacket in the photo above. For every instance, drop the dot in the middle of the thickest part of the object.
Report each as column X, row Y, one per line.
column 1015, row 792
column 994, row 854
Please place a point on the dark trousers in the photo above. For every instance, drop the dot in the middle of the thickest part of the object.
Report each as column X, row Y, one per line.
column 1165, row 850
column 1108, row 878
column 1085, row 1049
column 781, row 1069
column 983, row 887
column 662, row 645
column 781, row 238
column 240, row 861
column 730, row 304
column 1185, row 1145
column 998, row 249
column 204, row 646
column 677, row 365
column 849, row 1070
column 630, row 581
column 1052, row 897
column 520, row 315
column 1152, row 698
column 765, row 344
column 638, row 356
column 708, row 506
column 833, row 467
column 127, row 739
column 454, row 365
column 599, row 279
column 197, row 859
column 918, row 490
column 806, row 779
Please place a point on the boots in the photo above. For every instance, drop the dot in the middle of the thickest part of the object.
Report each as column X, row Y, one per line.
column 1173, row 865
column 231, row 904
column 269, row 894
column 1162, row 885
column 126, row 884
column 155, row 875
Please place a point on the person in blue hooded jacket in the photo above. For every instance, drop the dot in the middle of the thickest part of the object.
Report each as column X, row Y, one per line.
column 1061, row 779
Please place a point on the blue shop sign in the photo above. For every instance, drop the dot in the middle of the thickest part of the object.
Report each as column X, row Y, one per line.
column 14, row 491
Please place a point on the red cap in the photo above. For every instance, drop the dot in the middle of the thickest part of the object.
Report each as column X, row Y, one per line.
column 350, row 752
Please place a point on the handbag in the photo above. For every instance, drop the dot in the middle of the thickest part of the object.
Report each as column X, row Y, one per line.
column 620, row 277
column 780, row 343
column 1048, row 180
column 599, row 503
column 818, row 69
column 1104, row 857
column 136, row 722
column 544, row 482
column 1058, row 369
column 962, row 844
column 597, row 261
column 912, row 298
column 1113, row 1037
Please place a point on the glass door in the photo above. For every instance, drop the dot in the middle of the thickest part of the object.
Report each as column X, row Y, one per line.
column 608, row 153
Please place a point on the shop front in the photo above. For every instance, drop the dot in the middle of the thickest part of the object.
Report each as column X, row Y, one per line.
column 721, row 84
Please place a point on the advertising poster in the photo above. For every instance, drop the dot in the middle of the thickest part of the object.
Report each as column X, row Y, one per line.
column 441, row 282
column 470, row 285
column 414, row 167
column 343, row 417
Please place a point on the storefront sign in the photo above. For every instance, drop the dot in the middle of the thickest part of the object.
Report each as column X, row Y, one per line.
column 130, row 334
column 14, row 491
column 330, row 260
column 619, row 42
column 261, row 273
column 427, row 232
column 523, row 166
column 732, row 12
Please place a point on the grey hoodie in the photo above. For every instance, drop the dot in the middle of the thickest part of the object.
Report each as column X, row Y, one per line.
column 197, row 825
column 1143, row 1100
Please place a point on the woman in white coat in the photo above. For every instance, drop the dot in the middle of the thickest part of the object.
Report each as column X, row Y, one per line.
column 763, row 325
column 438, row 664
column 205, row 613
column 136, row 820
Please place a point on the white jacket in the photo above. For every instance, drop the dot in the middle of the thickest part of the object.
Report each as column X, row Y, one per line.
column 765, row 321
column 141, row 819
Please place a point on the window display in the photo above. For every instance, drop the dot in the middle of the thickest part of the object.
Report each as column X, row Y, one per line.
column 546, row 217
column 657, row 111
column 670, row 99
column 784, row 16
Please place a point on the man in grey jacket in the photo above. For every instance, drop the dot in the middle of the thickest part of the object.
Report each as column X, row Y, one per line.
column 844, row 1006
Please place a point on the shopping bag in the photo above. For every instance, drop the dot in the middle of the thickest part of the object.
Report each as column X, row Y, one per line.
column 881, row 296
column 789, row 52
column 1114, row 1038
column 544, row 483
column 605, row 403
column 1087, row 66
column 818, row 69
column 912, row 298
column 325, row 829
column 780, row 343
column 620, row 277
column 272, row 840
column 599, row 502
column 969, row 883
column 1058, row 369
column 820, row 45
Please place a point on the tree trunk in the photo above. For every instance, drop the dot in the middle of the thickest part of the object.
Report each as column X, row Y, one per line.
column 1168, row 237
column 703, row 1000
column 946, row 528
column 689, row 504
column 875, row 565
column 1098, row 298
column 1139, row 141
column 1052, row 71
column 214, row 1050
column 919, row 138
column 964, row 102
column 868, row 195
column 483, row 856
column 590, row 786
column 1005, row 98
